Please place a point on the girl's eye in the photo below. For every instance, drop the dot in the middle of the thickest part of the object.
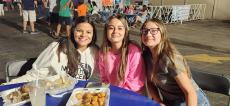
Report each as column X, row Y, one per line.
column 89, row 32
column 111, row 28
column 78, row 30
column 120, row 28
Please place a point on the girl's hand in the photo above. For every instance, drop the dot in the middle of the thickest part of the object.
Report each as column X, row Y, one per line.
column 161, row 104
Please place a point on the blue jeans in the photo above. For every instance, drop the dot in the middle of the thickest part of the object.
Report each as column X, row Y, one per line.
column 201, row 96
column 40, row 11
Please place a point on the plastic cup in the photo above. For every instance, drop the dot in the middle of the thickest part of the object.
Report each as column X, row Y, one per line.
column 37, row 96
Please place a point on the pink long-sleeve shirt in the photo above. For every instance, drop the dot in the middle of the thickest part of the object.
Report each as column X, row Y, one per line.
column 135, row 71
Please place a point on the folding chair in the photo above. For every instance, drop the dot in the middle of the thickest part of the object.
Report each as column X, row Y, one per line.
column 18, row 68
column 213, row 82
column 131, row 19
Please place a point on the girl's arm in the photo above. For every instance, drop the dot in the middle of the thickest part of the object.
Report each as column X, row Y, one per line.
column 186, row 85
column 35, row 3
column 135, row 70
column 152, row 92
column 45, row 3
column 67, row 4
column 101, row 67
column 41, row 67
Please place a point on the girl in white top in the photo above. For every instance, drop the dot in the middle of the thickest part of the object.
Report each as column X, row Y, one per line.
column 73, row 56
column 95, row 8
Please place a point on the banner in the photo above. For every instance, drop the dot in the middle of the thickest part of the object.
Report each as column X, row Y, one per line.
column 180, row 12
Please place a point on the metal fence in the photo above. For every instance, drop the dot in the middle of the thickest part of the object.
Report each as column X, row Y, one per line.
column 178, row 13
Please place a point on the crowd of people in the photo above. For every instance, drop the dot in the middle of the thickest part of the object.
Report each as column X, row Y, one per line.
column 62, row 13
column 156, row 68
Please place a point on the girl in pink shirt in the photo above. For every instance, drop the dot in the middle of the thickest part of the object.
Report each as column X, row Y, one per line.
column 120, row 61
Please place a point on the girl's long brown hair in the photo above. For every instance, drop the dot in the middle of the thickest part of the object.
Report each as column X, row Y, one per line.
column 106, row 46
column 164, row 48
column 69, row 46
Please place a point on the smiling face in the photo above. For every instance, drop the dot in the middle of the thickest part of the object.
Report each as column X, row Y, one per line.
column 150, row 34
column 115, row 31
column 83, row 35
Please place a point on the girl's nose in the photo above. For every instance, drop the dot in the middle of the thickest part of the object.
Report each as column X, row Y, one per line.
column 148, row 34
column 82, row 33
column 115, row 30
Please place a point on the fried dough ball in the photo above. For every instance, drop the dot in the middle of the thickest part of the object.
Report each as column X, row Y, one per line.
column 92, row 99
column 95, row 103
column 87, row 100
column 78, row 96
column 101, row 94
column 101, row 102
column 87, row 95
column 25, row 89
column 87, row 104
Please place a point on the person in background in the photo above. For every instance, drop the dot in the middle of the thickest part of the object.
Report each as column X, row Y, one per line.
column 65, row 13
column 95, row 8
column 167, row 71
column 82, row 8
column 1, row 8
column 119, row 61
column 40, row 11
column 74, row 56
column 54, row 6
column 89, row 7
column 19, row 4
column 46, row 10
column 130, row 10
column 29, row 15
column 142, row 16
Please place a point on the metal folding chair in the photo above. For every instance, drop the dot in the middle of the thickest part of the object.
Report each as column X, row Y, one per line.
column 18, row 68
column 213, row 82
column 131, row 19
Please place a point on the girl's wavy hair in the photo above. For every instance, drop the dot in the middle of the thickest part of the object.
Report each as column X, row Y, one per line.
column 164, row 48
column 69, row 46
column 106, row 45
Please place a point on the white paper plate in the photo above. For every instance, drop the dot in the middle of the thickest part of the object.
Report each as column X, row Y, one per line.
column 56, row 90
column 73, row 100
column 8, row 102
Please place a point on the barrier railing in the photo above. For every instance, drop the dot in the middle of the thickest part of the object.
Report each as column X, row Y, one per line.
column 178, row 13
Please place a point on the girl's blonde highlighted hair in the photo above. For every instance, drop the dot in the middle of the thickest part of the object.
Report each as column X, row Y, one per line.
column 164, row 48
column 106, row 45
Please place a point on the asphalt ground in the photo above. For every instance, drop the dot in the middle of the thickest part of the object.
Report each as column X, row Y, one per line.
column 205, row 44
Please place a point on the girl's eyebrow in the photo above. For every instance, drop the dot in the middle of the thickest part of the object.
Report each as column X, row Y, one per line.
column 117, row 26
column 79, row 29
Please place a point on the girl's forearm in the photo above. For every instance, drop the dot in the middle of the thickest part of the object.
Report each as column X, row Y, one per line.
column 191, row 98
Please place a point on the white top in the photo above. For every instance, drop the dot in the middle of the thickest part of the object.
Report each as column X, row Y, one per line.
column 95, row 10
column 53, row 7
column 47, row 64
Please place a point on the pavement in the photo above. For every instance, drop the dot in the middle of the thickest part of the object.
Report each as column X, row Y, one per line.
column 206, row 38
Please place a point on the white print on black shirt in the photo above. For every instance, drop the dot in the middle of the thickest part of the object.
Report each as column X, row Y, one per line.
column 84, row 71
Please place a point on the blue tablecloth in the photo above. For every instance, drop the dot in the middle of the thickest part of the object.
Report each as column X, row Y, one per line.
column 118, row 97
